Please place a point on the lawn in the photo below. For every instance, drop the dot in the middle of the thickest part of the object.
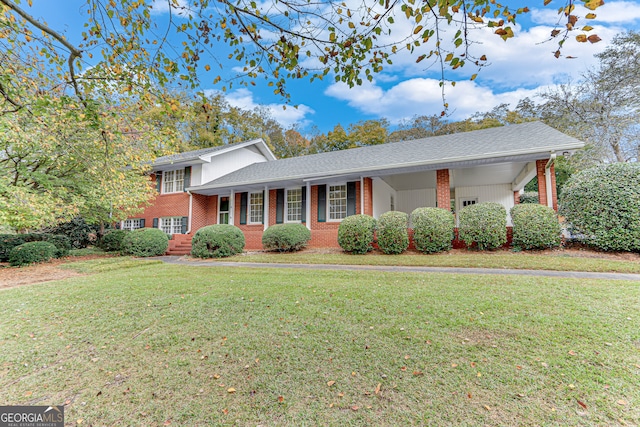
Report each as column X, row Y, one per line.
column 144, row 343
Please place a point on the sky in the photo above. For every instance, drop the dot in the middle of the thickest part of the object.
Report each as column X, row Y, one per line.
column 520, row 67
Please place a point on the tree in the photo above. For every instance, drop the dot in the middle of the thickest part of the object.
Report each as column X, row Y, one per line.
column 128, row 50
column 369, row 132
column 604, row 108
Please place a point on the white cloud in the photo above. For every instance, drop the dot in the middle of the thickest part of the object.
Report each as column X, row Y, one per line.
column 179, row 7
column 286, row 115
column 618, row 12
column 422, row 96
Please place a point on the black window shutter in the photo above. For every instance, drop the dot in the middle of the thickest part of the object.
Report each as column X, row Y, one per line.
column 118, row 225
column 142, row 223
column 243, row 208
column 158, row 181
column 304, row 204
column 280, row 206
column 187, row 178
column 351, row 198
column 155, row 222
column 183, row 224
column 322, row 203
column 263, row 205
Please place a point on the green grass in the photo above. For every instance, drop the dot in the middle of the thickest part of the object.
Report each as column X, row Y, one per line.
column 561, row 261
column 152, row 342
column 91, row 250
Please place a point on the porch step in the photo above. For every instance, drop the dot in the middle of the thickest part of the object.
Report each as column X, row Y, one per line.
column 180, row 244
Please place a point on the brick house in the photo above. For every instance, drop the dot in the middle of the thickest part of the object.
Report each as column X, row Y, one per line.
column 243, row 184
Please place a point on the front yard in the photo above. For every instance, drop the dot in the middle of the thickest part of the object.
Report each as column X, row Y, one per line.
column 144, row 343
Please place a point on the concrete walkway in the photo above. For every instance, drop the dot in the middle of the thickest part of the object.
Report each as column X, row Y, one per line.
column 402, row 269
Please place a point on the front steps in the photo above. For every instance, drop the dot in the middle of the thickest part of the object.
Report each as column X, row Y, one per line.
column 180, row 244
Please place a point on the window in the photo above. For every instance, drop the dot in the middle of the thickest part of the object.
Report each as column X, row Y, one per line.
column 255, row 208
column 173, row 181
column 468, row 202
column 294, row 205
column 392, row 203
column 337, row 202
column 132, row 224
column 171, row 225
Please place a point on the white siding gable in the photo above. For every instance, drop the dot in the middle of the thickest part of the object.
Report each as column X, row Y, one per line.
column 228, row 162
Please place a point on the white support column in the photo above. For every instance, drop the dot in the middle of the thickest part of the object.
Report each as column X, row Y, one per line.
column 547, row 179
column 232, row 208
column 265, row 203
column 308, row 207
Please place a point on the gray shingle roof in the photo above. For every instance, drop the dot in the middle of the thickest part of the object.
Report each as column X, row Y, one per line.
column 512, row 140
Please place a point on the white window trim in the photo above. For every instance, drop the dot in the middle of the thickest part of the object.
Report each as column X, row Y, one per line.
column 286, row 205
column 335, row 184
column 174, row 172
column 172, row 218
column 249, row 205
column 131, row 227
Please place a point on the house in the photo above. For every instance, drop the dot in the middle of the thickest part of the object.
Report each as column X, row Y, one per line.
column 243, row 184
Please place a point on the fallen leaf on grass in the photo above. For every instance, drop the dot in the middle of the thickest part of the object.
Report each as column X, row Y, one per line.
column 454, row 365
column 225, row 411
column 166, row 423
column 330, row 383
column 378, row 387
column 581, row 404
column 354, row 408
column 280, row 399
column 404, row 368
column 572, row 353
column 417, row 373
column 231, row 390
column 488, row 408
column 622, row 402
column 340, row 394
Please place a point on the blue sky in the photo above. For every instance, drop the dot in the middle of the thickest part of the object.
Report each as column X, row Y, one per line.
column 520, row 67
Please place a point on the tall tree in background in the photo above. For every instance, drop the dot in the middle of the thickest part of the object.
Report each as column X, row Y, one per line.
column 604, row 108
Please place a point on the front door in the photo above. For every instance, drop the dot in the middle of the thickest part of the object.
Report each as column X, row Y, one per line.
column 223, row 212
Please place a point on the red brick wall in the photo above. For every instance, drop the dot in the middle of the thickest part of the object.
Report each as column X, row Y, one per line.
column 163, row 205
column 252, row 232
column 516, row 197
column 368, row 196
column 204, row 211
column 443, row 191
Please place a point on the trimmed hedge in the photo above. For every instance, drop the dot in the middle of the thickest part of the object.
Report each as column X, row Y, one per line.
column 356, row 233
column 112, row 240
column 535, row 227
column 286, row 237
column 432, row 229
column 393, row 237
column 603, row 204
column 10, row 241
column 483, row 224
column 32, row 252
column 217, row 241
column 529, row 197
column 145, row 242
column 78, row 231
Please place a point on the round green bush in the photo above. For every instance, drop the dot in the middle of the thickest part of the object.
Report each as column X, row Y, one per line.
column 529, row 197
column 32, row 252
column 112, row 240
column 78, row 231
column 145, row 242
column 483, row 224
column 286, row 237
column 535, row 227
column 61, row 242
column 217, row 241
column 603, row 204
column 356, row 233
column 432, row 229
column 393, row 237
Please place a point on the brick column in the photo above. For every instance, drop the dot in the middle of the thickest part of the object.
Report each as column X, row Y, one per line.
column 542, row 184
column 516, row 197
column 443, row 191
column 368, row 196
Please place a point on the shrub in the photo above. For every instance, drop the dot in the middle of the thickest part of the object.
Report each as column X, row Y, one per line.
column 78, row 231
column 32, row 252
column 7, row 243
column 286, row 237
column 145, row 242
column 112, row 240
column 529, row 197
column 61, row 242
column 393, row 237
column 432, row 229
column 356, row 233
column 217, row 241
column 535, row 227
column 602, row 203
column 483, row 224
